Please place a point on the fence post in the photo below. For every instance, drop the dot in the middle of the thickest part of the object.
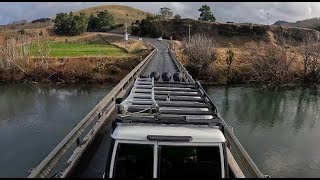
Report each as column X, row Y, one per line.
column 78, row 139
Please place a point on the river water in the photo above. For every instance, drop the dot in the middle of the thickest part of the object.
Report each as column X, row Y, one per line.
column 35, row 118
column 279, row 129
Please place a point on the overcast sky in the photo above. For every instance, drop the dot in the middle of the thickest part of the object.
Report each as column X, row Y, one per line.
column 224, row 11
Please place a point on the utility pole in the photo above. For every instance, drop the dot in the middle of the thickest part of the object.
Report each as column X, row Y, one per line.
column 189, row 32
column 126, row 35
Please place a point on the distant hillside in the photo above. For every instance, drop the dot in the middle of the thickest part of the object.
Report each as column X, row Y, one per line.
column 121, row 13
column 313, row 23
column 238, row 34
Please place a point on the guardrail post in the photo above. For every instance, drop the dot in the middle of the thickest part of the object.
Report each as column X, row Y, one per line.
column 78, row 139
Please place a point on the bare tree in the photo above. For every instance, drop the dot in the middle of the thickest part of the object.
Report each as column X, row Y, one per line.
column 43, row 51
column 14, row 53
column 310, row 52
column 200, row 51
column 165, row 13
column 314, row 64
column 271, row 64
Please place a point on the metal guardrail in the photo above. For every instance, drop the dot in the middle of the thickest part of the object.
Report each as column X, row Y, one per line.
column 101, row 112
column 185, row 73
column 248, row 167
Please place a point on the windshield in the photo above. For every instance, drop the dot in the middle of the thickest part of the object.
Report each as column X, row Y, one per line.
column 189, row 162
column 134, row 161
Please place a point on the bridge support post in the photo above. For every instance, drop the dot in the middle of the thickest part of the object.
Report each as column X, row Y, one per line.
column 78, row 139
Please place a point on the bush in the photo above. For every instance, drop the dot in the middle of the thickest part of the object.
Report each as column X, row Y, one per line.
column 200, row 51
column 114, row 70
column 23, row 31
column 42, row 20
column 271, row 64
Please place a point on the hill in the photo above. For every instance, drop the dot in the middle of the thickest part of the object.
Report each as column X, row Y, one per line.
column 121, row 13
column 232, row 32
column 313, row 23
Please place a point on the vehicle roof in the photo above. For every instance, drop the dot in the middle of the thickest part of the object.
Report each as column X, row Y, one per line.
column 140, row 131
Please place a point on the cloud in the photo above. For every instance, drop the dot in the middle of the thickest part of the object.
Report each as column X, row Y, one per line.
column 224, row 11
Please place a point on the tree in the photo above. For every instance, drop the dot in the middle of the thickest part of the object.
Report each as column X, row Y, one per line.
column 103, row 22
column 177, row 16
column 93, row 23
column 61, row 23
column 165, row 13
column 229, row 59
column 151, row 17
column 106, row 20
column 206, row 14
column 310, row 51
column 145, row 27
column 271, row 64
column 201, row 52
column 69, row 24
column 79, row 24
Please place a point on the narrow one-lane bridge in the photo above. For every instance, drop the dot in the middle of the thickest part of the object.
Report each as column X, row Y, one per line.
column 84, row 151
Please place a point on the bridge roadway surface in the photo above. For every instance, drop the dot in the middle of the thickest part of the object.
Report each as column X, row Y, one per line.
column 93, row 164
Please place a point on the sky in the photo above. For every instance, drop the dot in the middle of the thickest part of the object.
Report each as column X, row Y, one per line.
column 242, row 12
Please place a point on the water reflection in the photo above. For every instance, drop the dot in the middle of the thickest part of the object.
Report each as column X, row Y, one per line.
column 278, row 127
column 35, row 118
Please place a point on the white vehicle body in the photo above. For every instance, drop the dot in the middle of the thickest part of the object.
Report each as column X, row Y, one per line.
column 140, row 133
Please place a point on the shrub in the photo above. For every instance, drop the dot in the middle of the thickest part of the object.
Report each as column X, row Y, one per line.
column 23, row 31
column 271, row 64
column 200, row 51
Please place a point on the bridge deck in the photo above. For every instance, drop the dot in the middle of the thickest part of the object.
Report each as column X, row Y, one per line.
column 94, row 164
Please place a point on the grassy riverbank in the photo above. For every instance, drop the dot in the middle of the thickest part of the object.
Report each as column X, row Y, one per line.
column 62, row 49
column 260, row 63
column 90, row 58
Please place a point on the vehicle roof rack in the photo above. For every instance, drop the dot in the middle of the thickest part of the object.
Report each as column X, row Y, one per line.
column 167, row 103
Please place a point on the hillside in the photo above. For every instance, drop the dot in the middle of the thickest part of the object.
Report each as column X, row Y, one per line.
column 121, row 13
column 313, row 23
column 232, row 32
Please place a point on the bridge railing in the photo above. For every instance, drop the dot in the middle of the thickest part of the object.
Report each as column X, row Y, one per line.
column 100, row 115
column 247, row 166
column 185, row 73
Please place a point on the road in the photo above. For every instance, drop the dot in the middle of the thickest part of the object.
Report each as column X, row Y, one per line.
column 161, row 62
column 93, row 165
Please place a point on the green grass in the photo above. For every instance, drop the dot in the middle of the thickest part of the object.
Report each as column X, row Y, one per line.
column 62, row 49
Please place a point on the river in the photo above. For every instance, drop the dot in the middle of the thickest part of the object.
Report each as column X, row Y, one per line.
column 279, row 128
column 35, row 118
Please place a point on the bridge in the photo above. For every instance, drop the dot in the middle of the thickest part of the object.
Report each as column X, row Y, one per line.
column 84, row 151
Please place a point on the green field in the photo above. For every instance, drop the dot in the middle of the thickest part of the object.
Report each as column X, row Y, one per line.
column 62, row 49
